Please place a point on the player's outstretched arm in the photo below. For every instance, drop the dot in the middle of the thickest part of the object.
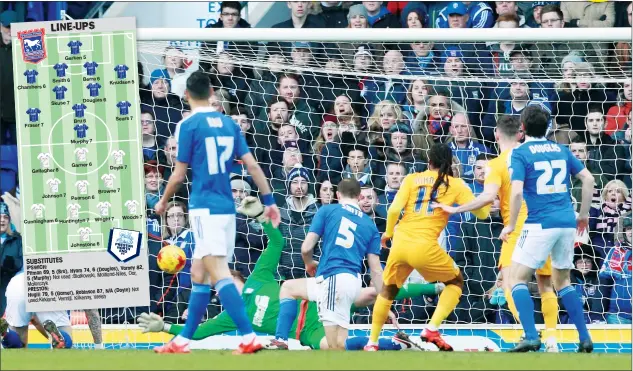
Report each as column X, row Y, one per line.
column 487, row 197
column 271, row 211
column 375, row 269
column 175, row 180
column 394, row 211
column 269, row 260
column 587, row 194
column 516, row 199
column 307, row 249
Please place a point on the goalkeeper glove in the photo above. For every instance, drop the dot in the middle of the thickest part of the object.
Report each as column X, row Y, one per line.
column 252, row 207
column 150, row 322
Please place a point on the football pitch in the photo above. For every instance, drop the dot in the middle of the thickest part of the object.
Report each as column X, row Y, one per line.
column 305, row 360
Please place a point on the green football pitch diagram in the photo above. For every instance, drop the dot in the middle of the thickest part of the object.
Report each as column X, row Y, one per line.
column 78, row 114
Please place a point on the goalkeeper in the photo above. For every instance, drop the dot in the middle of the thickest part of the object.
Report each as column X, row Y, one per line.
column 261, row 297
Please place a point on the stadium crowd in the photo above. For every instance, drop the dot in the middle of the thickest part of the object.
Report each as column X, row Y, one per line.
column 372, row 117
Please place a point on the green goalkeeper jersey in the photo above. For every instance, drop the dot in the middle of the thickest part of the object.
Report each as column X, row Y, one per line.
column 261, row 299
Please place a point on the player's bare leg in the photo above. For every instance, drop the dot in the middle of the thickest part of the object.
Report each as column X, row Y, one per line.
column 520, row 275
column 449, row 298
column 573, row 305
column 221, row 278
column 290, row 292
column 200, row 279
column 94, row 324
column 381, row 311
column 507, row 290
column 549, row 307
column 335, row 336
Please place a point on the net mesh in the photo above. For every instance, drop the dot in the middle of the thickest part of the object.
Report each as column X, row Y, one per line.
column 371, row 110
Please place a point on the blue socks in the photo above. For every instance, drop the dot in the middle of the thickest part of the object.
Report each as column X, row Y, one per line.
column 572, row 304
column 525, row 307
column 200, row 297
column 12, row 340
column 359, row 342
column 234, row 305
column 67, row 339
column 287, row 315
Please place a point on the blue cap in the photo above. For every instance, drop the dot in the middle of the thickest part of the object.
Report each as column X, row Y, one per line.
column 456, row 7
column 296, row 172
column 301, row 45
column 7, row 17
column 539, row 3
column 159, row 74
column 4, row 209
column 452, row 52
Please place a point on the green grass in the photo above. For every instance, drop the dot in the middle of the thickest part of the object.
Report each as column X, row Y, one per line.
column 305, row 360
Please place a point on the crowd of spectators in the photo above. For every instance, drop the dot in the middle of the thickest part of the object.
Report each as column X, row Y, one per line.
column 373, row 116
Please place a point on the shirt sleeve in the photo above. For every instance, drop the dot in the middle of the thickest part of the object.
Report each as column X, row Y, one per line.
column 399, row 202
column 185, row 143
column 318, row 223
column 516, row 167
column 493, row 175
column 575, row 166
column 374, row 242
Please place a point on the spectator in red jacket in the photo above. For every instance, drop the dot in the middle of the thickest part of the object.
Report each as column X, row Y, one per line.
column 618, row 114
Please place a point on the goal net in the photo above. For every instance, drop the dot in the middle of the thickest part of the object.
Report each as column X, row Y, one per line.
column 316, row 108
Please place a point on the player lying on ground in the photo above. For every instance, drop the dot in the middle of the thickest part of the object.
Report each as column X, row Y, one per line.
column 14, row 331
column 415, row 245
column 261, row 293
column 498, row 183
column 540, row 173
column 209, row 142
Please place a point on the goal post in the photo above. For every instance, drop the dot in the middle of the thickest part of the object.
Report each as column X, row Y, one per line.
column 315, row 112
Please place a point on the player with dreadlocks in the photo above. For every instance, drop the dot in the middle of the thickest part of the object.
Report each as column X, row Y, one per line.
column 415, row 246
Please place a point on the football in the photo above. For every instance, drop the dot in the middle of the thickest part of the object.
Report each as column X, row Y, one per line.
column 171, row 259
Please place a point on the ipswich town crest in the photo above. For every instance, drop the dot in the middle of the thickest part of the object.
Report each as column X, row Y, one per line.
column 33, row 47
column 124, row 245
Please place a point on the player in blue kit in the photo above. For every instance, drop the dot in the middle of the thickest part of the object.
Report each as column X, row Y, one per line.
column 208, row 142
column 94, row 89
column 60, row 92
column 540, row 172
column 347, row 235
column 91, row 68
column 61, row 69
column 121, row 71
column 31, row 75
column 34, row 114
column 74, row 46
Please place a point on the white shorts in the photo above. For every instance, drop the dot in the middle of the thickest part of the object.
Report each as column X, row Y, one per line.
column 214, row 234
column 536, row 244
column 16, row 313
column 334, row 297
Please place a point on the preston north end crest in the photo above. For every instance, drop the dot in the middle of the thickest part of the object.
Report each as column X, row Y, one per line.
column 124, row 245
column 33, row 47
